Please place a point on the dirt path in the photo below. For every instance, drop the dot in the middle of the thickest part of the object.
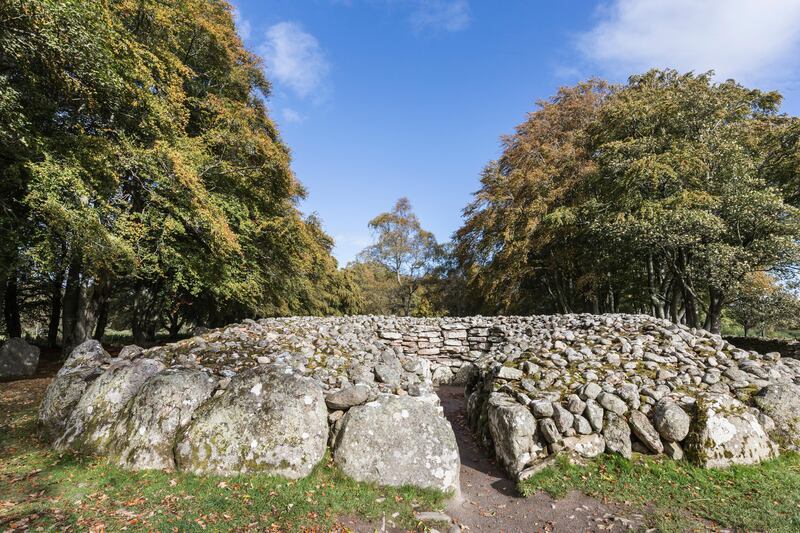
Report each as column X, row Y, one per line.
column 490, row 502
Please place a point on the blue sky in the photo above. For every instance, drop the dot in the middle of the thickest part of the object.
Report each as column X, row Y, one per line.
column 380, row 99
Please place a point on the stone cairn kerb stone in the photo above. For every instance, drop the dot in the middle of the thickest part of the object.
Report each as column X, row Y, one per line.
column 270, row 395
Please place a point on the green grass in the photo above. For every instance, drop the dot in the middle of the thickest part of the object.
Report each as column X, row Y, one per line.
column 41, row 488
column 677, row 496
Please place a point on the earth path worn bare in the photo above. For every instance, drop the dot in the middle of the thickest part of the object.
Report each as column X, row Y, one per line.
column 490, row 501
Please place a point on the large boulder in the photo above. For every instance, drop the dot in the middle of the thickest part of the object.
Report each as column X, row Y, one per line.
column 514, row 433
column 725, row 433
column 399, row 440
column 88, row 429
column 18, row 358
column 781, row 402
column 84, row 365
column 144, row 435
column 268, row 420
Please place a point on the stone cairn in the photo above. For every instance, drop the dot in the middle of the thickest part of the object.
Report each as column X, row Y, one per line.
column 273, row 395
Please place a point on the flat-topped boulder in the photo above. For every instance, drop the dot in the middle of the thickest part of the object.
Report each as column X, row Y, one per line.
column 399, row 440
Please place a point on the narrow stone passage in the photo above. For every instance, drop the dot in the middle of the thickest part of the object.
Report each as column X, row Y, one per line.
column 489, row 499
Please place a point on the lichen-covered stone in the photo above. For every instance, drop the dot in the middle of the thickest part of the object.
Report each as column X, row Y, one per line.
column 724, row 433
column 781, row 403
column 88, row 429
column 268, row 420
column 399, row 440
column 84, row 365
column 617, row 435
column 513, row 430
column 144, row 435
column 645, row 431
column 670, row 420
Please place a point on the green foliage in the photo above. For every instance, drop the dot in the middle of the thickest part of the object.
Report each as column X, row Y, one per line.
column 659, row 196
column 682, row 497
column 136, row 138
column 392, row 270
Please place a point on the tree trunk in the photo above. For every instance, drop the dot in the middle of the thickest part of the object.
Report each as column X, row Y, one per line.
column 11, row 307
column 102, row 320
column 55, row 309
column 714, row 316
column 72, row 330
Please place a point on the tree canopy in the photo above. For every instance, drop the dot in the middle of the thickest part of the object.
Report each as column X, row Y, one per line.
column 140, row 170
column 662, row 196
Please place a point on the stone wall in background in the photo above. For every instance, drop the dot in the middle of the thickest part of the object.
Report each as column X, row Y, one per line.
column 785, row 347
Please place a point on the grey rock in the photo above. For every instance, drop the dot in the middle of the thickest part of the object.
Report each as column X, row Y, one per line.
column 507, row 372
column 542, row 408
column 726, row 433
column 82, row 367
column 588, row 446
column 645, row 431
column 594, row 414
column 18, row 358
column 670, row 420
column 144, row 435
column 514, row 432
column 88, row 429
column 562, row 418
column 549, row 430
column 781, row 403
column 575, row 405
column 347, row 398
column 612, row 403
column 399, row 441
column 617, row 435
column 268, row 420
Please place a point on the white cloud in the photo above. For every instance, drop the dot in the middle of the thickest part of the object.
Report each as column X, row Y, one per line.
column 242, row 24
column 749, row 40
column 290, row 116
column 294, row 57
column 447, row 15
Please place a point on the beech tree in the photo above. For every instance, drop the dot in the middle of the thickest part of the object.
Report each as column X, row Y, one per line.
column 658, row 196
column 140, row 169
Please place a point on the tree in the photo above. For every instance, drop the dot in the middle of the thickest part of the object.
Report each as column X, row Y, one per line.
column 405, row 250
column 761, row 303
column 658, row 196
column 141, row 171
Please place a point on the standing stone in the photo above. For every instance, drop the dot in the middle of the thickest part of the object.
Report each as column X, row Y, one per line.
column 18, row 358
column 398, row 440
column 144, row 435
column 781, row 403
column 268, row 420
column 617, row 435
column 513, row 431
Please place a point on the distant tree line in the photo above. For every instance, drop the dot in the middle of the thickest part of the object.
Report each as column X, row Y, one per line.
column 142, row 183
column 670, row 195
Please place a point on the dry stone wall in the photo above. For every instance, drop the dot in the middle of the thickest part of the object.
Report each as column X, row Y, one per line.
column 271, row 395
